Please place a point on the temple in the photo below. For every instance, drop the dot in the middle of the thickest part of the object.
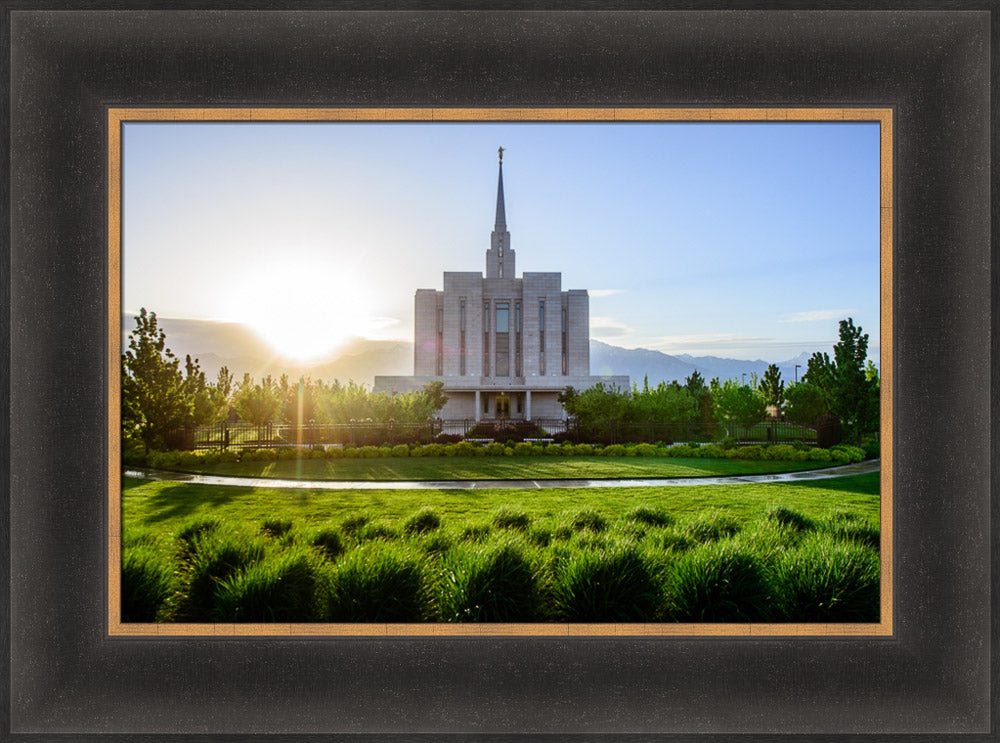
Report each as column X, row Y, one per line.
column 504, row 347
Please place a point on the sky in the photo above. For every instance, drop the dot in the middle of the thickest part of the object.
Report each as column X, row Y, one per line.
column 743, row 240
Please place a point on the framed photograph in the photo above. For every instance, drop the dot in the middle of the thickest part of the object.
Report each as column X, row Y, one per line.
column 571, row 532
column 123, row 123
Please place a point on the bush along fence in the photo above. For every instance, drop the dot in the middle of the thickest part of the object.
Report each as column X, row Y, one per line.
column 369, row 433
column 839, row 454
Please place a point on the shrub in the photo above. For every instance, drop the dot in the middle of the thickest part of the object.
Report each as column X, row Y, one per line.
column 494, row 449
column 750, row 452
column 584, row 449
column 376, row 530
column 819, row 455
column 329, row 542
column 711, row 527
column 781, row 453
column 368, row 452
column 192, row 529
column 553, row 449
column 717, row 582
column 148, row 579
column 682, row 450
column 826, row 580
column 853, row 453
column 489, row 584
column 432, row 450
column 475, row 532
column 710, row 451
column 614, row 450
column 588, row 519
column 449, row 450
column 217, row 555
column 646, row 450
column 466, row 449
column 649, row 515
column 353, row 523
column 281, row 588
column 275, row 527
column 376, row 583
column 840, row 456
column 422, row 521
column 846, row 527
column 787, row 517
column 606, row 586
column 400, row 450
column 509, row 518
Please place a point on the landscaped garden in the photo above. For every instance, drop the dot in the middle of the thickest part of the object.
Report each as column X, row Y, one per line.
column 803, row 552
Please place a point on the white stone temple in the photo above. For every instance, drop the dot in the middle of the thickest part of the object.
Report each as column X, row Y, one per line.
column 504, row 347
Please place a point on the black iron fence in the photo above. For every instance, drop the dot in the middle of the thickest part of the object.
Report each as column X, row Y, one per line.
column 371, row 433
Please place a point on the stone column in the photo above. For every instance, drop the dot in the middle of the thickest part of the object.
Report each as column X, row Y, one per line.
column 527, row 405
column 478, row 408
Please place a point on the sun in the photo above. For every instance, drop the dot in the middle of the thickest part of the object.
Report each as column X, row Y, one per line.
column 304, row 311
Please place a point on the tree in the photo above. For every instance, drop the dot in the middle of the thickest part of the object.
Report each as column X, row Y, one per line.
column 772, row 388
column 820, row 371
column 855, row 396
column 155, row 400
column 738, row 405
column 666, row 403
column 256, row 403
column 805, row 402
column 435, row 395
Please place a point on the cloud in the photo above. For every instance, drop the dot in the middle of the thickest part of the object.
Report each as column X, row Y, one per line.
column 608, row 327
column 816, row 315
column 598, row 293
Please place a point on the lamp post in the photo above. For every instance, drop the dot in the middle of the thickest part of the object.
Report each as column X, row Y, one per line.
column 744, row 379
column 797, row 373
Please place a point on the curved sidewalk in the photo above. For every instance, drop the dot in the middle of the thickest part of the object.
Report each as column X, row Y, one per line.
column 860, row 468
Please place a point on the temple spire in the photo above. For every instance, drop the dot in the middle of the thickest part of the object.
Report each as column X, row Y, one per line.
column 501, row 221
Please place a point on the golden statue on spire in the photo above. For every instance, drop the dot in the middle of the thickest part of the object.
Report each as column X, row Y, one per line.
column 500, row 152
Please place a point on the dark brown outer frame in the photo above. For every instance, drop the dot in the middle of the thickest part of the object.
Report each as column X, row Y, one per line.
column 932, row 676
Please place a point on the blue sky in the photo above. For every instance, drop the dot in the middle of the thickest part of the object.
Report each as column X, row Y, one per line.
column 747, row 240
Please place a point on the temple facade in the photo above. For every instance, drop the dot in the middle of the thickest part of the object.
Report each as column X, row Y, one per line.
column 503, row 346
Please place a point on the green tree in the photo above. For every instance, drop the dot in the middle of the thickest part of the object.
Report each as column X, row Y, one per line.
column 855, row 396
column 772, row 389
column 805, row 402
column 820, row 371
column 298, row 401
column 666, row 403
column 256, row 403
column 154, row 398
column 738, row 405
column 434, row 391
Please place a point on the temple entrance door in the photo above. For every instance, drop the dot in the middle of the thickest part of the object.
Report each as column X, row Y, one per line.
column 503, row 407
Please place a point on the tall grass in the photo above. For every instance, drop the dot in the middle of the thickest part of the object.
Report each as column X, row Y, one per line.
column 489, row 584
column 645, row 564
column 376, row 582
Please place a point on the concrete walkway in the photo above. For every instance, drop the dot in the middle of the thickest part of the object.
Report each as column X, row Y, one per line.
column 873, row 465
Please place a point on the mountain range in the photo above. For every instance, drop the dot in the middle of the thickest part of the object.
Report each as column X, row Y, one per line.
column 217, row 344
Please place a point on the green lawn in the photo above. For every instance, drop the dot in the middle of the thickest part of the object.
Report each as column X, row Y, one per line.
column 165, row 506
column 802, row 552
column 496, row 468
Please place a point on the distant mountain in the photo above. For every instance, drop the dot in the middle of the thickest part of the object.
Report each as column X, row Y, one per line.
column 658, row 367
column 218, row 344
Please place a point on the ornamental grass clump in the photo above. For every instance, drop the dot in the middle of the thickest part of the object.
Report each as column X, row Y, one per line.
column 489, row 584
column 423, row 521
column 148, row 580
column 826, row 580
column 216, row 555
column 188, row 533
column 852, row 528
column 611, row 585
column 717, row 582
column 588, row 519
column 650, row 516
column 509, row 518
column 378, row 582
column 275, row 527
column 788, row 517
column 711, row 527
column 328, row 541
column 281, row 588
column 354, row 523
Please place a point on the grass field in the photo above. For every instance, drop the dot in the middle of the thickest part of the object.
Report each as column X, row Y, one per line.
column 495, row 468
column 806, row 551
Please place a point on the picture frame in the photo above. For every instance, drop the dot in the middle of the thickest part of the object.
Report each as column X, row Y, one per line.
column 931, row 676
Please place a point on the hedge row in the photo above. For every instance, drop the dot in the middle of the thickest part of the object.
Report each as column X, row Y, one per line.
column 840, row 454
